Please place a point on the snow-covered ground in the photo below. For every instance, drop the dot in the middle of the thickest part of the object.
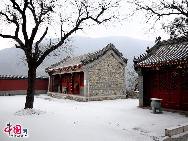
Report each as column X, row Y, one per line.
column 66, row 120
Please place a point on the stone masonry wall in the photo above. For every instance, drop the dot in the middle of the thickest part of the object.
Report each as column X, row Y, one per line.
column 107, row 76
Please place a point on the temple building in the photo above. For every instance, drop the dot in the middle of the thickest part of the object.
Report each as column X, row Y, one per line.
column 163, row 74
column 93, row 76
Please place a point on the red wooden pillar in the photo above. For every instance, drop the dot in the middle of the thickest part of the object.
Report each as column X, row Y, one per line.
column 82, row 83
column 51, row 84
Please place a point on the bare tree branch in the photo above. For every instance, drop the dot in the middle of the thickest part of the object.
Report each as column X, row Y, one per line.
column 33, row 11
column 76, row 28
column 157, row 10
column 37, row 52
column 24, row 23
column 21, row 44
column 16, row 6
column 41, row 13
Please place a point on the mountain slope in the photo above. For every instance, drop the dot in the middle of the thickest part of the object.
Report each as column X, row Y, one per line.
column 11, row 59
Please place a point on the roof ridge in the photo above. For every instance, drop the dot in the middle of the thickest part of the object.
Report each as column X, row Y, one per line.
column 157, row 45
column 91, row 56
column 95, row 55
column 164, row 48
column 174, row 40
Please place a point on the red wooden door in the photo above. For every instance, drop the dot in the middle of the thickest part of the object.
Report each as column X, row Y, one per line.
column 169, row 89
column 174, row 89
column 151, row 82
column 56, row 83
column 78, row 82
column 184, row 90
column 163, row 88
column 67, row 83
column 155, row 92
column 164, row 85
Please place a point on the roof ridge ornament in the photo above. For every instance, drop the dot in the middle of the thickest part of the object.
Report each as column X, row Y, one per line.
column 158, row 39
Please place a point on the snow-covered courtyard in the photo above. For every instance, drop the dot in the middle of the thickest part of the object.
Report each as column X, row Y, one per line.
column 67, row 120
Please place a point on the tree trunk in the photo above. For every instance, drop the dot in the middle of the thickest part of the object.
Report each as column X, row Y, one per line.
column 31, row 87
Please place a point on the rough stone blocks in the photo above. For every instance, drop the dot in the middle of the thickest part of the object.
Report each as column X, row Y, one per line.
column 179, row 133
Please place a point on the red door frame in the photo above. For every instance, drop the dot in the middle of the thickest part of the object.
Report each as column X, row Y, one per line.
column 73, row 82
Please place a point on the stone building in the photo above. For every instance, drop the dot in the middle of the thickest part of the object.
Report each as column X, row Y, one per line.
column 163, row 73
column 93, row 76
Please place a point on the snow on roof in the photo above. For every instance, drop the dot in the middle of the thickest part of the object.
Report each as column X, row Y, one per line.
column 172, row 51
column 85, row 59
column 19, row 77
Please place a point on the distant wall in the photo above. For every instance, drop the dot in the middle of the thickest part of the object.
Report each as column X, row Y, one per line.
column 19, row 86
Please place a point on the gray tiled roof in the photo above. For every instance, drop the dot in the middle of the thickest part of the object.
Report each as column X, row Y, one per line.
column 165, row 52
column 68, row 61
column 86, row 58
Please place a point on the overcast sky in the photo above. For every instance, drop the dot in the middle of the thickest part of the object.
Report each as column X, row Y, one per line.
column 134, row 27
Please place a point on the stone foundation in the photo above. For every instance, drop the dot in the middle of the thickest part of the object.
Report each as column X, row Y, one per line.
column 85, row 99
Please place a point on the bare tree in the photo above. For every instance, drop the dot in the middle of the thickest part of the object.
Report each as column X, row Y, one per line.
column 132, row 82
column 175, row 10
column 18, row 14
column 132, row 79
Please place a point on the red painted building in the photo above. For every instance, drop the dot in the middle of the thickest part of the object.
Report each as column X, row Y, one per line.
column 163, row 73
column 10, row 85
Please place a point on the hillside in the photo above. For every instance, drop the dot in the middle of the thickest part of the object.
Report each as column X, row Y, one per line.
column 12, row 62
